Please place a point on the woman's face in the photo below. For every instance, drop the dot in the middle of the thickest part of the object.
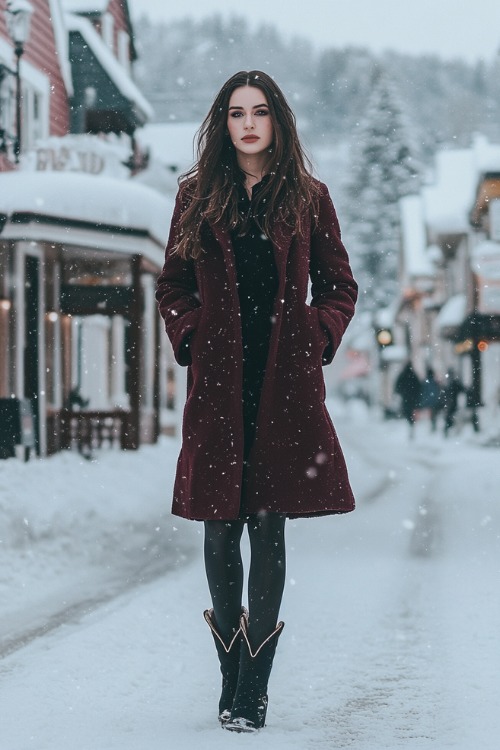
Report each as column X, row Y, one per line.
column 249, row 121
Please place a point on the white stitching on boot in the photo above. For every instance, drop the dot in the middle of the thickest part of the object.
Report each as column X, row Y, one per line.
column 208, row 614
column 244, row 631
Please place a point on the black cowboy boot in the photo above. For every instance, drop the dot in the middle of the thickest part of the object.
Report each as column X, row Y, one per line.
column 229, row 658
column 249, row 709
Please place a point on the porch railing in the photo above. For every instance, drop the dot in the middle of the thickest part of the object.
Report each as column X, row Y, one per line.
column 87, row 431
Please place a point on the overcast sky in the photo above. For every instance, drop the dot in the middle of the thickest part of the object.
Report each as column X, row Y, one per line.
column 467, row 29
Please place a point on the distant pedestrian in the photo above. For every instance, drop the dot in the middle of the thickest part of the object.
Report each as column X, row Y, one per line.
column 430, row 393
column 453, row 388
column 251, row 227
column 473, row 403
column 408, row 387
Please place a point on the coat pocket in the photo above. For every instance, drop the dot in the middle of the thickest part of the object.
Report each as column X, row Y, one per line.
column 319, row 335
column 183, row 339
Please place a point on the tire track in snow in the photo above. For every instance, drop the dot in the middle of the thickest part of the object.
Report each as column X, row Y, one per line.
column 393, row 691
column 141, row 566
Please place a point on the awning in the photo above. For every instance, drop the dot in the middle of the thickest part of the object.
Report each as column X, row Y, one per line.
column 477, row 326
column 72, row 208
column 452, row 314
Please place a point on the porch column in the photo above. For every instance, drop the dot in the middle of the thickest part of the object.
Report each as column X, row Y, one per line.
column 475, row 356
column 5, row 306
column 119, row 397
column 156, row 332
column 132, row 437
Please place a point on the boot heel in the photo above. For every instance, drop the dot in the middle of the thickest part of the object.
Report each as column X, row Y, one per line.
column 249, row 709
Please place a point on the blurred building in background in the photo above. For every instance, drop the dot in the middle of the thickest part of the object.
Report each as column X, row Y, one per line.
column 81, row 239
column 447, row 315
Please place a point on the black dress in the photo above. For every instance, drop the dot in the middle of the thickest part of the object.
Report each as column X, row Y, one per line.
column 257, row 280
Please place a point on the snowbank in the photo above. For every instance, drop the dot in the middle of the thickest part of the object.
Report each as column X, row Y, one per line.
column 65, row 517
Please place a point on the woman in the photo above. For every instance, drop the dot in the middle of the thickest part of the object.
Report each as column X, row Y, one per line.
column 249, row 226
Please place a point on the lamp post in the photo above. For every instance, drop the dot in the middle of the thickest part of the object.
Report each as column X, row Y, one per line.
column 18, row 15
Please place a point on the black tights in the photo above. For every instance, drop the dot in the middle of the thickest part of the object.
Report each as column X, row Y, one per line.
column 266, row 578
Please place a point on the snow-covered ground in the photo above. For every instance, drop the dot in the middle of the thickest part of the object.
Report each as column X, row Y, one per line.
column 392, row 612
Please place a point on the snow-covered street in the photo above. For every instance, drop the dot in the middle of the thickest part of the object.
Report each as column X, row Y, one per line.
column 391, row 612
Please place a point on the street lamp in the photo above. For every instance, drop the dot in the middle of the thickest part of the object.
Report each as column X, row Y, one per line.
column 384, row 337
column 18, row 15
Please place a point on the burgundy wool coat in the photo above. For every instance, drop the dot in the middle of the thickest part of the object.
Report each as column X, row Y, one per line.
column 296, row 465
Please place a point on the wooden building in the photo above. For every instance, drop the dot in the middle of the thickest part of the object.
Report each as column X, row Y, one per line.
column 81, row 241
column 482, row 324
column 449, row 306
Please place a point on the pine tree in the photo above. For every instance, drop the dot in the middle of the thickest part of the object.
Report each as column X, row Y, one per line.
column 382, row 170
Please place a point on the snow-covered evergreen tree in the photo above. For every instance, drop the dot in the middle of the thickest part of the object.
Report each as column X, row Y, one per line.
column 383, row 168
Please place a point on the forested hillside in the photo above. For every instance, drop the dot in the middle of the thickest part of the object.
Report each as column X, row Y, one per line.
column 444, row 101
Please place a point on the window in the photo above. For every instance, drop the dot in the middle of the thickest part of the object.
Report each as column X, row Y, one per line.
column 7, row 108
column 35, row 105
column 35, row 124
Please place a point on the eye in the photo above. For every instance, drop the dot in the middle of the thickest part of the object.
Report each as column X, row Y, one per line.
column 262, row 112
column 236, row 114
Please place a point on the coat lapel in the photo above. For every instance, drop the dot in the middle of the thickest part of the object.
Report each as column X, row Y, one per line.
column 224, row 239
column 282, row 240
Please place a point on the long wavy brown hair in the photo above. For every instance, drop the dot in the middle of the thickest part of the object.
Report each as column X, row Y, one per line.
column 211, row 187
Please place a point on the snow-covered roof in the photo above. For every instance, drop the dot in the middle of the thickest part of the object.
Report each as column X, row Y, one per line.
column 85, row 6
column 416, row 260
column 88, row 199
column 453, row 312
column 170, row 143
column 159, row 178
column 486, row 154
column 113, row 68
column 447, row 202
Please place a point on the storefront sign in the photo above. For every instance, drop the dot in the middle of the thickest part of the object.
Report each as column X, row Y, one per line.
column 494, row 212
column 68, row 160
column 87, row 154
